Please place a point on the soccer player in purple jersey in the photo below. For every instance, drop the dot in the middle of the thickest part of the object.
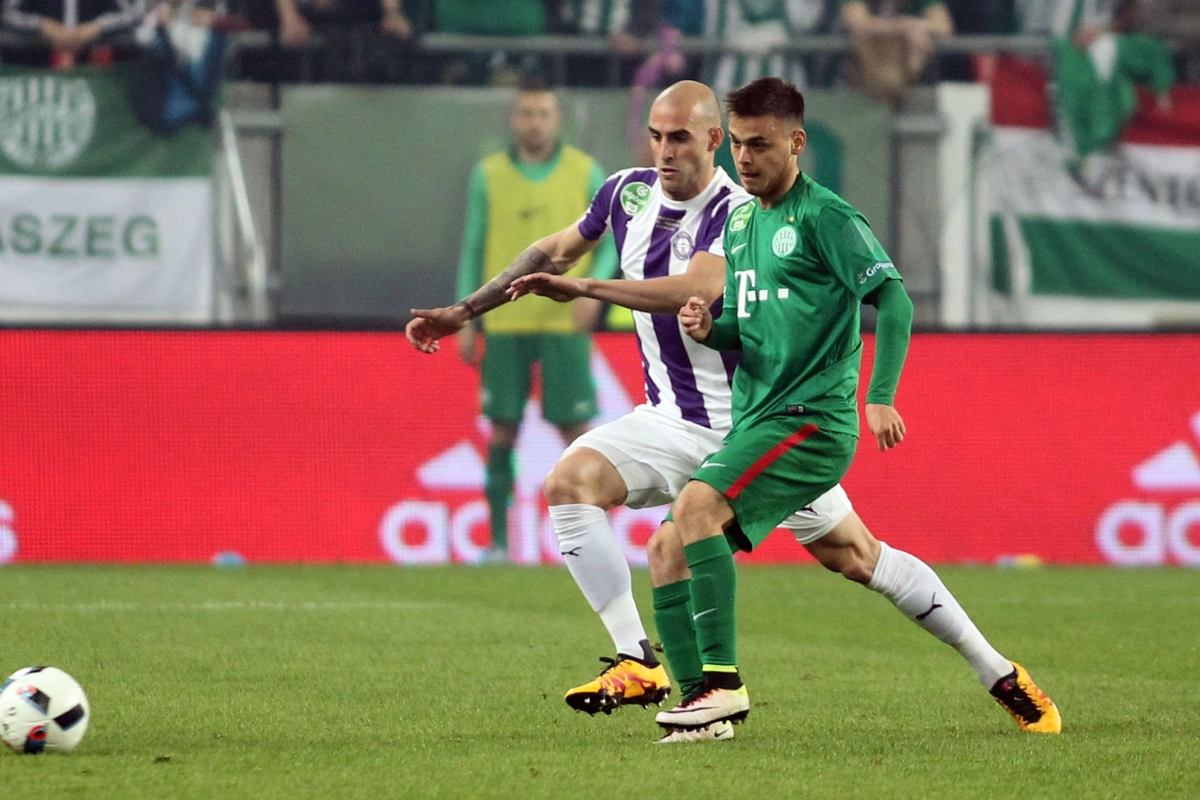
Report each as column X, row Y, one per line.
column 801, row 261
column 668, row 224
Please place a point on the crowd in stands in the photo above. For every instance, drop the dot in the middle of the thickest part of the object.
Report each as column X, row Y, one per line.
column 892, row 43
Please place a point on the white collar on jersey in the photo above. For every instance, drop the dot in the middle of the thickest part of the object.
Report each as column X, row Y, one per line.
column 719, row 179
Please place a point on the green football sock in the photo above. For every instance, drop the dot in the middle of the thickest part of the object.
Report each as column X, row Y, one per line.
column 714, row 593
column 673, row 618
column 498, row 487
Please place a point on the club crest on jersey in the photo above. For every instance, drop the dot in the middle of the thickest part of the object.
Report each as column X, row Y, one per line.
column 682, row 245
column 741, row 217
column 784, row 241
column 634, row 197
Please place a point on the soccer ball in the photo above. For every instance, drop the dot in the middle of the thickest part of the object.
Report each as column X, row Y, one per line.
column 42, row 709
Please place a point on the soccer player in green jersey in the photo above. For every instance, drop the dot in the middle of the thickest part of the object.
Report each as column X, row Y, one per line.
column 799, row 262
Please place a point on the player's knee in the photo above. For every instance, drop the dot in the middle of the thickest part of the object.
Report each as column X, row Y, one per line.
column 665, row 554
column 563, row 485
column 504, row 434
column 697, row 512
column 577, row 479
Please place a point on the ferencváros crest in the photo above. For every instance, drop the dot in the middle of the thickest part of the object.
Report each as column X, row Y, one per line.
column 46, row 121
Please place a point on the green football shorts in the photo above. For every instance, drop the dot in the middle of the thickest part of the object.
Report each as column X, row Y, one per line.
column 772, row 468
column 568, row 390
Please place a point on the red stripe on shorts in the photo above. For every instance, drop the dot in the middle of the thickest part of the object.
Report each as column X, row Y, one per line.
column 769, row 458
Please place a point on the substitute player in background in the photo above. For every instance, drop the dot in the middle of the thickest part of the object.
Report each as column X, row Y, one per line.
column 800, row 261
column 518, row 196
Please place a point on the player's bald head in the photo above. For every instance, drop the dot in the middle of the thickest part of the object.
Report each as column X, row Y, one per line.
column 691, row 99
column 685, row 132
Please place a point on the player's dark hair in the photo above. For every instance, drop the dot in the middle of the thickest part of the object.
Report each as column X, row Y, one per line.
column 767, row 97
column 532, row 83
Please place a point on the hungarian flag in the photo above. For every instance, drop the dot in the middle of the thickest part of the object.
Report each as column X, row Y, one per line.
column 1123, row 223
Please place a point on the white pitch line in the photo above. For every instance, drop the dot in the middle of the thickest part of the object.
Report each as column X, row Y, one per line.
column 227, row 605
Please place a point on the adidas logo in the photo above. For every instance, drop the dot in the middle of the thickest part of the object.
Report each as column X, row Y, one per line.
column 441, row 524
column 1146, row 532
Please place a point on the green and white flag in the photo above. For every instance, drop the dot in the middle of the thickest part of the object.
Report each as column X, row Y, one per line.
column 1124, row 227
column 100, row 219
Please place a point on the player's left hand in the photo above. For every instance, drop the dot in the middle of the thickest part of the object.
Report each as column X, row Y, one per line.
column 557, row 287
column 886, row 424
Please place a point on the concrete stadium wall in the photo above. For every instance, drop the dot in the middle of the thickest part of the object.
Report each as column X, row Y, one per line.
column 373, row 183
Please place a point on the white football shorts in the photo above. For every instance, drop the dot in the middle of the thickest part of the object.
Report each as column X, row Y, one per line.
column 656, row 453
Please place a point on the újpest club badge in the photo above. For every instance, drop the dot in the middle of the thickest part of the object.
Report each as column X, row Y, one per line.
column 682, row 245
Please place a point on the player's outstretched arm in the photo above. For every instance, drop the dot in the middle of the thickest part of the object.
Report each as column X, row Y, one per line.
column 554, row 254
column 704, row 278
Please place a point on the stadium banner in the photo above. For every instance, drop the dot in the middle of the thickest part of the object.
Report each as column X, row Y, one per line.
column 100, row 219
column 156, row 446
column 1121, row 225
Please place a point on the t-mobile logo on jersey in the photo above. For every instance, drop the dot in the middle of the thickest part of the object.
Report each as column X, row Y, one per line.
column 8, row 536
column 748, row 292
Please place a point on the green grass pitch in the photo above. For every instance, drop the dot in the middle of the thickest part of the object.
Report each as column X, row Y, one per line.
column 380, row 682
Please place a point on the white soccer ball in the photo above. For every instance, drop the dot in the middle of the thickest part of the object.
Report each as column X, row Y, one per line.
column 42, row 709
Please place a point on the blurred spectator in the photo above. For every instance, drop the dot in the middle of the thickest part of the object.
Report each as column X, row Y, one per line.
column 976, row 17
column 623, row 23
column 1175, row 19
column 177, row 75
column 71, row 29
column 665, row 64
column 755, row 30
column 1179, row 21
column 893, row 41
column 490, row 18
column 362, row 40
column 1099, row 56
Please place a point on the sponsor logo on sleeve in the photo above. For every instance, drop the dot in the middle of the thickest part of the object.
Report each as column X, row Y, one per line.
column 872, row 271
column 634, row 197
column 741, row 217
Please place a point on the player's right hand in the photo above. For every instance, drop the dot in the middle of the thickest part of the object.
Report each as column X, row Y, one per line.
column 431, row 324
column 696, row 319
column 558, row 288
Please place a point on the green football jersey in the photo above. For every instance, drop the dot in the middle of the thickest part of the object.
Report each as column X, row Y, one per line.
column 796, row 274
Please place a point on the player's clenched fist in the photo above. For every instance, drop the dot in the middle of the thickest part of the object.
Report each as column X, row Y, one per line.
column 886, row 424
column 430, row 324
column 696, row 319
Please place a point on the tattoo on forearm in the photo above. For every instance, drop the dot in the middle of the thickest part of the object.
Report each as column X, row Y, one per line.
column 492, row 294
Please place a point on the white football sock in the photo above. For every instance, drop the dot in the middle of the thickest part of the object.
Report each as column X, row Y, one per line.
column 592, row 554
column 921, row 596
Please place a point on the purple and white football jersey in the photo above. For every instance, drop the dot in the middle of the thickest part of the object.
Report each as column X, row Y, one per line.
column 655, row 237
